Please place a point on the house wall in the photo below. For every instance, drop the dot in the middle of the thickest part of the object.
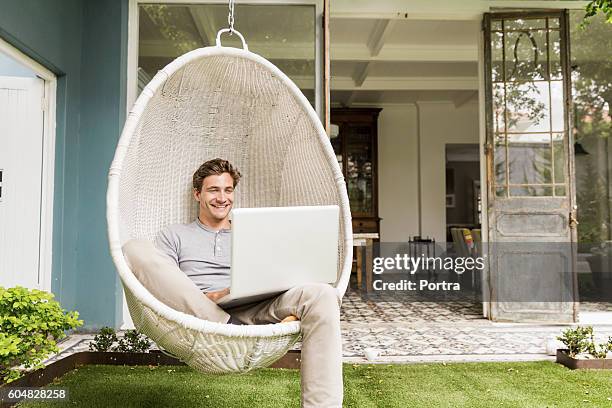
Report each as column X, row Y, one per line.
column 84, row 44
column 397, row 170
column 441, row 123
column 50, row 33
column 103, row 110
column 398, row 129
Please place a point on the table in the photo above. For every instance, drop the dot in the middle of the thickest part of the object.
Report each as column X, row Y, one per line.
column 360, row 241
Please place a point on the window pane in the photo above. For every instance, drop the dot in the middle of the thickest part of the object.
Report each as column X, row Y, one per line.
column 499, row 161
column 559, row 153
column 556, row 106
column 497, row 56
column 499, row 111
column 524, row 23
column 554, row 53
column 285, row 35
column 528, row 107
column 531, row 191
column 525, row 55
column 553, row 22
column 530, row 159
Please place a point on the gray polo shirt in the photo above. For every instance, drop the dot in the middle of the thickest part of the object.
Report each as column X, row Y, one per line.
column 202, row 253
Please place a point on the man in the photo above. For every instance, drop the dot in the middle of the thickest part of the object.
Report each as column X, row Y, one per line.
column 202, row 250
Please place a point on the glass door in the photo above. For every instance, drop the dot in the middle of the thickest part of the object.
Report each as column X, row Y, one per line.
column 532, row 226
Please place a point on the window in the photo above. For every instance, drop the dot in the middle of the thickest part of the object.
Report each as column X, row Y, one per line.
column 283, row 34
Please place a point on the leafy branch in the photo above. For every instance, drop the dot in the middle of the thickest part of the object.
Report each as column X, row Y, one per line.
column 595, row 6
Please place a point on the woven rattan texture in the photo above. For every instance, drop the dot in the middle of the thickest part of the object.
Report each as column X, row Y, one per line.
column 212, row 103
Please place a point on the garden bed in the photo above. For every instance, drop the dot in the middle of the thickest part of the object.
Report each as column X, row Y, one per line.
column 564, row 358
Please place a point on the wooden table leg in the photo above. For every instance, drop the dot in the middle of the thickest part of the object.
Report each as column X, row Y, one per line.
column 368, row 265
column 359, row 256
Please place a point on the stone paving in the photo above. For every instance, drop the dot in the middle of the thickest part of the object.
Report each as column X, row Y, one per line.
column 396, row 329
column 390, row 329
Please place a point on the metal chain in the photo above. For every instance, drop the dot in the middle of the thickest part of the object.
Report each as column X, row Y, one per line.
column 230, row 16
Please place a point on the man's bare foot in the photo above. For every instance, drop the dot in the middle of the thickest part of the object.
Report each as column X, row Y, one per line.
column 290, row 318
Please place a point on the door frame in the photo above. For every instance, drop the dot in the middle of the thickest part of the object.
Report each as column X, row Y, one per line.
column 48, row 161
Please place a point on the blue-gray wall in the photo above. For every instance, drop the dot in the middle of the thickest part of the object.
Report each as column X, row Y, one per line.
column 85, row 44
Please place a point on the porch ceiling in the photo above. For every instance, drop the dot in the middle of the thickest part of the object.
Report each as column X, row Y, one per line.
column 383, row 61
column 373, row 61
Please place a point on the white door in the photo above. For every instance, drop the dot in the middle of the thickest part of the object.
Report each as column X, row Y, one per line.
column 21, row 156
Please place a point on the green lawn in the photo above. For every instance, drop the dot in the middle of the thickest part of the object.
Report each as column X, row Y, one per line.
column 537, row 384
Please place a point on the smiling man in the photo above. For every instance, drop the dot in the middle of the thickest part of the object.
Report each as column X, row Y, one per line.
column 202, row 250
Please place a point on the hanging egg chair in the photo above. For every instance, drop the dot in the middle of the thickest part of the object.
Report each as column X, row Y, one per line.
column 230, row 103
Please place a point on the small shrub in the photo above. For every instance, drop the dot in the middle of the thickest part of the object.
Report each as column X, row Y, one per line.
column 131, row 342
column 581, row 340
column 577, row 340
column 134, row 342
column 104, row 340
column 603, row 349
column 31, row 322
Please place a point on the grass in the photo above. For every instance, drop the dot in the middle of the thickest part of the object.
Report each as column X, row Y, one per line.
column 533, row 384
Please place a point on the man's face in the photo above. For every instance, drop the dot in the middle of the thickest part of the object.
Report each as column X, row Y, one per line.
column 216, row 197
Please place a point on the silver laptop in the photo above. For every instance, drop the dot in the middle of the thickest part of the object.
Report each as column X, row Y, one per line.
column 275, row 249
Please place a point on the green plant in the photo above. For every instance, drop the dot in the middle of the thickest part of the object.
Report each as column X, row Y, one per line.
column 104, row 340
column 595, row 6
column 581, row 340
column 577, row 340
column 31, row 322
column 603, row 349
column 132, row 341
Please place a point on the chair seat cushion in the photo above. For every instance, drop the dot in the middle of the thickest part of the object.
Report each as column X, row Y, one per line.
column 167, row 283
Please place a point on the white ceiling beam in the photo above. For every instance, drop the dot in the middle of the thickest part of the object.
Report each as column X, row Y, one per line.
column 415, row 53
column 467, row 15
column 339, row 52
column 439, row 9
column 379, row 35
column 406, row 83
column 204, row 24
column 351, row 99
column 279, row 51
column 361, row 73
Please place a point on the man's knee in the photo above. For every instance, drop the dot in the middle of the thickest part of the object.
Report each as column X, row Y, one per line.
column 321, row 295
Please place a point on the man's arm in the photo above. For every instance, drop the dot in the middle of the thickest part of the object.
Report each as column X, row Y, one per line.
column 215, row 296
column 167, row 243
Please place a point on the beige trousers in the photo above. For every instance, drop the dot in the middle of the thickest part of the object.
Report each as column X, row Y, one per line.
column 317, row 307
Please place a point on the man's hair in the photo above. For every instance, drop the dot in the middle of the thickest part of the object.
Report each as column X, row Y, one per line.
column 214, row 167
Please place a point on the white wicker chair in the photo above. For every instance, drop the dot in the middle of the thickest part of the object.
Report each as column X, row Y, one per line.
column 229, row 103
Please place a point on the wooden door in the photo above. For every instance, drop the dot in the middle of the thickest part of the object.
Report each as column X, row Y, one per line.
column 532, row 227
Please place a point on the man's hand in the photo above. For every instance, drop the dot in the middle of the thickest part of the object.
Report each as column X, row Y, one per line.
column 215, row 296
